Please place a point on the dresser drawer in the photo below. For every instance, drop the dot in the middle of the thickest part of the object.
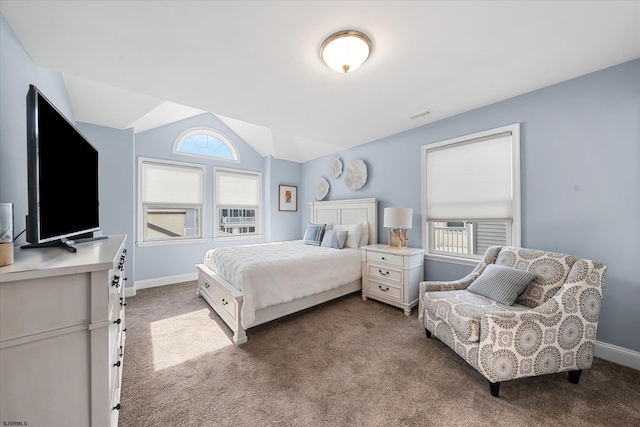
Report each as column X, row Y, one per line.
column 222, row 298
column 384, row 273
column 385, row 258
column 385, row 290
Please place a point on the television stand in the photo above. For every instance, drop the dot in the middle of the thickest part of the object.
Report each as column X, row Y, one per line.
column 66, row 243
column 53, row 244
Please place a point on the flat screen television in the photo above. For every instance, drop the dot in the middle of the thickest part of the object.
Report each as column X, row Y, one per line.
column 62, row 177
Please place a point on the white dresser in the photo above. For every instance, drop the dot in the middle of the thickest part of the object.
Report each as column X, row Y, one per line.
column 62, row 333
column 392, row 275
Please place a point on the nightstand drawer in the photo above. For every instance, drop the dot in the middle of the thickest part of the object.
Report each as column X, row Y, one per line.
column 385, row 290
column 392, row 259
column 383, row 273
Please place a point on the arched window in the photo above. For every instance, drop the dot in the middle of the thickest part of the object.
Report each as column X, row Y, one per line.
column 206, row 142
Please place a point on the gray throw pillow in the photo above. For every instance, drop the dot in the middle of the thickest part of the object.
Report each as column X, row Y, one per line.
column 334, row 239
column 501, row 284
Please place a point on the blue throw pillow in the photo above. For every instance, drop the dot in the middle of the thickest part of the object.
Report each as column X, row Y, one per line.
column 334, row 239
column 313, row 235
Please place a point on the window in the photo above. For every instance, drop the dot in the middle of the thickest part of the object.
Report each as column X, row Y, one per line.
column 238, row 205
column 208, row 143
column 471, row 194
column 170, row 201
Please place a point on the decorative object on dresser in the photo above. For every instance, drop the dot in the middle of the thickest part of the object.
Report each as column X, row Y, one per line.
column 62, row 335
column 288, row 198
column 335, row 167
column 254, row 284
column 355, row 176
column 6, row 234
column 550, row 328
column 398, row 220
column 393, row 275
column 322, row 189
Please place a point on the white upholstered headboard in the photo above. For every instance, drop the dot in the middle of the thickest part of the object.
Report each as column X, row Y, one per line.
column 347, row 212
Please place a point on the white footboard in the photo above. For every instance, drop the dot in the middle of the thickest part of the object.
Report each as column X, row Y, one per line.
column 224, row 298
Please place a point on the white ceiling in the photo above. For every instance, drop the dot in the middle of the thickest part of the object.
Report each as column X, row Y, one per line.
column 256, row 65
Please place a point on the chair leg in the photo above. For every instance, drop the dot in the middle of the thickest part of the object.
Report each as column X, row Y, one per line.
column 495, row 388
column 574, row 376
column 428, row 333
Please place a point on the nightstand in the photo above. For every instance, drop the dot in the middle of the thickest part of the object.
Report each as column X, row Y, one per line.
column 392, row 275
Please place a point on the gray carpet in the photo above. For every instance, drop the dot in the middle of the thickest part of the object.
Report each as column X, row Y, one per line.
column 344, row 363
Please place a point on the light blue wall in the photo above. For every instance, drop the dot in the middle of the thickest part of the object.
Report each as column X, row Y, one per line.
column 177, row 259
column 117, row 184
column 17, row 72
column 580, row 170
column 281, row 225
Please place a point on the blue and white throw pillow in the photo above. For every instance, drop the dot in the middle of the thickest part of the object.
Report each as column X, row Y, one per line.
column 334, row 239
column 314, row 233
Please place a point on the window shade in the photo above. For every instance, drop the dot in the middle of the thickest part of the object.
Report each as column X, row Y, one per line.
column 171, row 184
column 237, row 189
column 470, row 180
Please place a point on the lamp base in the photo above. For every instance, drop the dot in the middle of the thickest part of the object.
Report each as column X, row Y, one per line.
column 397, row 239
column 6, row 254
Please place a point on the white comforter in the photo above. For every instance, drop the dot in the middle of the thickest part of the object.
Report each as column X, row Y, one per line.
column 274, row 273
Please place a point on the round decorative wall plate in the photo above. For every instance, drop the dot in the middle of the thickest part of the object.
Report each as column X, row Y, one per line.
column 335, row 167
column 322, row 189
column 355, row 175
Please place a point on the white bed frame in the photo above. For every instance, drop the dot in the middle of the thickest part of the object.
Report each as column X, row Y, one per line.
column 226, row 299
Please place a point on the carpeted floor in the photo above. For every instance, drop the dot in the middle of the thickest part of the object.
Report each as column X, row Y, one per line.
column 345, row 363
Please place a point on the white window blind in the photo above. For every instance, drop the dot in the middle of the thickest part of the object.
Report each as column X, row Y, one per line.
column 237, row 189
column 171, row 184
column 470, row 180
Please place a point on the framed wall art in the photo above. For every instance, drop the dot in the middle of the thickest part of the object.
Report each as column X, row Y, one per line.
column 288, row 198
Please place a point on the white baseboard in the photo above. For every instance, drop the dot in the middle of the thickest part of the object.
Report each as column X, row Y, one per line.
column 130, row 292
column 619, row 355
column 167, row 280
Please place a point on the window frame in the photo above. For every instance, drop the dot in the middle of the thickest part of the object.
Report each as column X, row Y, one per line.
column 217, row 236
column 142, row 207
column 514, row 227
column 210, row 132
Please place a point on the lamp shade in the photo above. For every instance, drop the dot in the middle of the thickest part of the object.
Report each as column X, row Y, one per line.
column 398, row 217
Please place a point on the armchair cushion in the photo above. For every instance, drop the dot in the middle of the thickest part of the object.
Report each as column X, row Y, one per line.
column 550, row 269
column 462, row 311
column 500, row 283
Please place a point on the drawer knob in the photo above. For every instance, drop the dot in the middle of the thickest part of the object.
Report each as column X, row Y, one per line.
column 122, row 304
column 206, row 285
column 118, row 363
column 383, row 258
column 224, row 302
column 117, row 322
column 117, row 407
column 383, row 289
column 384, row 274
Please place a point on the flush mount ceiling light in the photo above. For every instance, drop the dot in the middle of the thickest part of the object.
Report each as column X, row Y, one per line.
column 345, row 51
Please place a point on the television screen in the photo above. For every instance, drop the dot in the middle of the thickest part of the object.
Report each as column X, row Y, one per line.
column 63, row 175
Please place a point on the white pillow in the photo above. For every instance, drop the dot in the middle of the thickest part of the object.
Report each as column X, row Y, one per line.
column 354, row 232
column 364, row 239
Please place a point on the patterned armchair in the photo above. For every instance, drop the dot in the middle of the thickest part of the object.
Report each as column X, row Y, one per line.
column 550, row 328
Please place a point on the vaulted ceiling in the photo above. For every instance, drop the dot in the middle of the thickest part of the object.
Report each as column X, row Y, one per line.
column 256, row 64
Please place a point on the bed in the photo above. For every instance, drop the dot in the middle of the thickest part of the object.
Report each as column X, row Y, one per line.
column 250, row 285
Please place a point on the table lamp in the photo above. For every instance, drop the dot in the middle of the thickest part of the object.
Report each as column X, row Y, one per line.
column 399, row 220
